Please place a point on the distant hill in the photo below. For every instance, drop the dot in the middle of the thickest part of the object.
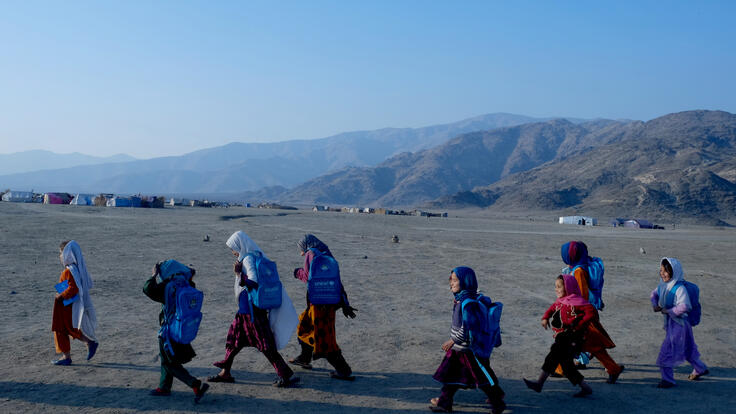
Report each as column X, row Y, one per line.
column 249, row 167
column 21, row 162
column 681, row 165
column 470, row 160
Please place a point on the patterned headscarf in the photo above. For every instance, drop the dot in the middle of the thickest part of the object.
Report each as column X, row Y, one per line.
column 309, row 241
column 575, row 253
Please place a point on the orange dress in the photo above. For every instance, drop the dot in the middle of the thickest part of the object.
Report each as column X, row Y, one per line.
column 61, row 321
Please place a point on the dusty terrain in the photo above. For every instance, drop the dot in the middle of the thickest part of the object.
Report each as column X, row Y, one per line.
column 400, row 291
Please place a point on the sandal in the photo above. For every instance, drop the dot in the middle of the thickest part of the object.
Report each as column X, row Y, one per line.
column 696, row 376
column 613, row 377
column 344, row 377
column 300, row 363
column 436, row 408
column 220, row 378
column 285, row 382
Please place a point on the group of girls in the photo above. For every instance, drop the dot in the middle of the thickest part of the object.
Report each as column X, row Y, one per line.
column 574, row 322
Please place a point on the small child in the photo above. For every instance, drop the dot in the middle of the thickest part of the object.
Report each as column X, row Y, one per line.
column 76, row 318
column 173, row 355
column 461, row 368
column 679, row 343
column 569, row 317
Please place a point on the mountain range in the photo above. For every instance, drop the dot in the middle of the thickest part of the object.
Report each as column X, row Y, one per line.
column 26, row 161
column 251, row 166
column 681, row 165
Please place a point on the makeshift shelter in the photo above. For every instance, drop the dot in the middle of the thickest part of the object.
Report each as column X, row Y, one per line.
column 579, row 220
column 638, row 224
column 124, row 202
column 18, row 196
column 57, row 198
column 83, row 200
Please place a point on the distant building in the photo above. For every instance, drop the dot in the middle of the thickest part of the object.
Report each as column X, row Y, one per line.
column 579, row 220
column 18, row 196
column 638, row 224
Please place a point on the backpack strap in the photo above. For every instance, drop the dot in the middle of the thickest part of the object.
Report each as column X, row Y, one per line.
column 482, row 368
column 669, row 301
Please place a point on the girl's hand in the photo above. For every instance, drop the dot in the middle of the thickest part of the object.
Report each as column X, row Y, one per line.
column 447, row 345
column 657, row 308
column 545, row 323
column 58, row 296
column 664, row 311
column 238, row 268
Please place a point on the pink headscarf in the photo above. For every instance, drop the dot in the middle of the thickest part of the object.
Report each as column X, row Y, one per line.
column 572, row 289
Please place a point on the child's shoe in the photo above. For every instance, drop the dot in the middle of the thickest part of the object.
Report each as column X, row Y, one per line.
column 344, row 377
column 498, row 407
column 696, row 377
column 285, row 382
column 62, row 362
column 665, row 384
column 199, row 391
column 159, row 392
column 532, row 385
column 613, row 377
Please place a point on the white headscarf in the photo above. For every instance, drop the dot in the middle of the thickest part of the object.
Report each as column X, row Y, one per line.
column 664, row 288
column 83, row 311
column 241, row 243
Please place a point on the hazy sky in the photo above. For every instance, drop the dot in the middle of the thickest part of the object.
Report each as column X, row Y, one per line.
column 151, row 78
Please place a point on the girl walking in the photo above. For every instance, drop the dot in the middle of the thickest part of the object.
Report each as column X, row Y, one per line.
column 73, row 314
column 461, row 368
column 569, row 317
column 672, row 300
column 251, row 325
column 316, row 330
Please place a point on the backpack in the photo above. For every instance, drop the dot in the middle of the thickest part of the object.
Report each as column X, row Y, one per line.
column 595, row 281
column 182, row 306
column 490, row 336
column 324, row 286
column 268, row 293
column 693, row 292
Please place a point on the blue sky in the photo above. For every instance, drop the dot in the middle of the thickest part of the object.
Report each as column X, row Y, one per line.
column 165, row 78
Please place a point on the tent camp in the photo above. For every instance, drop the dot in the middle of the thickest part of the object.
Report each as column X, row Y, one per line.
column 118, row 201
column 83, row 200
column 57, row 198
column 18, row 196
column 580, row 220
column 638, row 224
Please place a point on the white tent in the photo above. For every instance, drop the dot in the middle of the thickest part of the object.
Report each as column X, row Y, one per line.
column 581, row 220
column 83, row 200
column 18, row 196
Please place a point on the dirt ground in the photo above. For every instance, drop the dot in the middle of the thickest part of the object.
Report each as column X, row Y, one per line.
column 400, row 291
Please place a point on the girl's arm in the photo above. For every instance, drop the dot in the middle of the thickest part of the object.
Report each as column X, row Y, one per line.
column 72, row 290
column 586, row 315
column 682, row 303
column 303, row 272
column 549, row 312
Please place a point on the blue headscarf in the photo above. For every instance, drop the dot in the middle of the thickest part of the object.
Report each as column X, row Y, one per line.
column 575, row 253
column 468, row 283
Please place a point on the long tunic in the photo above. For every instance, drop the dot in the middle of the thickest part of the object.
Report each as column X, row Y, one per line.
column 61, row 321
column 679, row 343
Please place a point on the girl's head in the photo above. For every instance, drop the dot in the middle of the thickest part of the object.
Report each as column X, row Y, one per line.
column 241, row 245
column 310, row 241
column 670, row 269
column 560, row 287
column 574, row 253
column 62, row 246
column 466, row 280
column 454, row 283
column 665, row 271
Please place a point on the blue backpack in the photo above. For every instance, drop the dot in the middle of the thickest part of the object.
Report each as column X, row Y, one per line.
column 324, row 286
column 693, row 292
column 490, row 336
column 595, row 281
column 268, row 293
column 182, row 306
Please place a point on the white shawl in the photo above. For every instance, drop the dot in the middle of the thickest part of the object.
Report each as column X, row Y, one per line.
column 83, row 311
column 241, row 243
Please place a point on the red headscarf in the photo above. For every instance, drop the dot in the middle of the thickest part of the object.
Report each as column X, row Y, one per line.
column 573, row 297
